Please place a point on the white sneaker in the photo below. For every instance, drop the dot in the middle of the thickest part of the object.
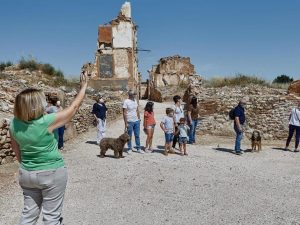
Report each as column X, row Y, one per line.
column 129, row 151
column 140, row 151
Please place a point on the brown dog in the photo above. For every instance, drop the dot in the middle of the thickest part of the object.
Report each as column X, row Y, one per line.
column 256, row 141
column 116, row 144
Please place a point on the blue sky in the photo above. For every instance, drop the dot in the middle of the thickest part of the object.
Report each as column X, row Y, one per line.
column 257, row 37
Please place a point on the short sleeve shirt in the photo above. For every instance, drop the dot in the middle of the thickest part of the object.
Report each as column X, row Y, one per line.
column 194, row 112
column 240, row 113
column 295, row 117
column 183, row 130
column 131, row 106
column 149, row 118
column 99, row 109
column 168, row 123
column 38, row 147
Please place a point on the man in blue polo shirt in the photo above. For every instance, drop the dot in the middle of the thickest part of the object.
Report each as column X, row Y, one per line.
column 239, row 120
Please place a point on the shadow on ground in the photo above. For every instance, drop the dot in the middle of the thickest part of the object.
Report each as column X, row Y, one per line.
column 91, row 142
column 283, row 149
column 230, row 150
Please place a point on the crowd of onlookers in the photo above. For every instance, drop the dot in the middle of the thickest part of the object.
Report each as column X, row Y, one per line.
column 179, row 124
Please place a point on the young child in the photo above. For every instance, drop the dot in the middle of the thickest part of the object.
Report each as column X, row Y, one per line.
column 149, row 125
column 167, row 125
column 183, row 131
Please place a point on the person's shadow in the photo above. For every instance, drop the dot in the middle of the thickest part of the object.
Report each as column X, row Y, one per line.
column 283, row 149
column 232, row 151
column 91, row 142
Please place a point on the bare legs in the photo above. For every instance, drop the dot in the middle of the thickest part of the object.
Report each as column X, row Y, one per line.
column 149, row 138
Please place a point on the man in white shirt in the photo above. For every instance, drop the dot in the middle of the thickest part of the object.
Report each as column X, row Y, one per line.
column 132, row 120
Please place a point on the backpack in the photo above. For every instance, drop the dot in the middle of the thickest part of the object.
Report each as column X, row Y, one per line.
column 232, row 113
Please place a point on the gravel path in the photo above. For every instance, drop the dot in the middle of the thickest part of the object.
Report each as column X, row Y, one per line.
column 210, row 186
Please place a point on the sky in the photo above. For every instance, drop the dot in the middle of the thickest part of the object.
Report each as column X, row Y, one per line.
column 222, row 38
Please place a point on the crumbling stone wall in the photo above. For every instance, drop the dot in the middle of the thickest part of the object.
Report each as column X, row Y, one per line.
column 173, row 70
column 6, row 154
column 294, row 87
column 267, row 110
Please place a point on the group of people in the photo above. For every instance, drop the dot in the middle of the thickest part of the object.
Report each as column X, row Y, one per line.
column 42, row 173
column 240, row 118
column 177, row 126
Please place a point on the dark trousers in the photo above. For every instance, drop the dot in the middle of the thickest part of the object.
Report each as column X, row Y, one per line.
column 176, row 136
column 292, row 128
column 61, row 132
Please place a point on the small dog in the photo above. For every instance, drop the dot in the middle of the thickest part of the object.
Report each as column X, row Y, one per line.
column 116, row 144
column 256, row 141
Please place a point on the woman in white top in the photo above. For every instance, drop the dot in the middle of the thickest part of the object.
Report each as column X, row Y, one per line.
column 294, row 124
column 178, row 114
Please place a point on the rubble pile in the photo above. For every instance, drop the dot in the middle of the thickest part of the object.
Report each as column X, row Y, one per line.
column 6, row 154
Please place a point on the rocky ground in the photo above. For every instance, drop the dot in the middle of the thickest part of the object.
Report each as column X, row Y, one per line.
column 210, row 186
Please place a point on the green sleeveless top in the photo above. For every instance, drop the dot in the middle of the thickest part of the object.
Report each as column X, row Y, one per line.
column 38, row 147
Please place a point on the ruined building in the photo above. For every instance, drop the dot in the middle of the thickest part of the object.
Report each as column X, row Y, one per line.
column 115, row 66
column 174, row 70
column 173, row 75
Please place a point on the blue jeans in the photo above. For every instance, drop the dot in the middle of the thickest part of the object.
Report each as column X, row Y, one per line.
column 292, row 128
column 192, row 134
column 238, row 139
column 61, row 132
column 134, row 127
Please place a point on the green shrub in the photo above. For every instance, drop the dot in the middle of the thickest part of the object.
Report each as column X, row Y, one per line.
column 283, row 79
column 30, row 64
column 59, row 73
column 47, row 69
column 3, row 65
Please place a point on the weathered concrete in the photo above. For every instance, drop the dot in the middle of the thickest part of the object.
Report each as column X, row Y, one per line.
column 116, row 58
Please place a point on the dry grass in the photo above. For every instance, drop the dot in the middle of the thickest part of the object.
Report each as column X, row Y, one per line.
column 238, row 80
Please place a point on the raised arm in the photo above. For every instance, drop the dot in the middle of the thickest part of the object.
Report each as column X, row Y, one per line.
column 67, row 114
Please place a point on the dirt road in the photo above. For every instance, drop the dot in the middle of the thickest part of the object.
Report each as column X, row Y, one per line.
column 210, row 186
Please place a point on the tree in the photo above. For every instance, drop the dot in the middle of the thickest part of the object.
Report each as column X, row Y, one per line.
column 283, row 79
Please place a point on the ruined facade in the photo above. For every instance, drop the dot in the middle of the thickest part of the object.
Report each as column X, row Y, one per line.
column 173, row 75
column 115, row 66
column 174, row 70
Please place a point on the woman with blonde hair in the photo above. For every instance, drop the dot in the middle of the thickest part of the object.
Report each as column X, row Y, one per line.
column 42, row 174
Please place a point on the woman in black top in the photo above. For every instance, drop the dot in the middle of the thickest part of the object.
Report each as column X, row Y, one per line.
column 99, row 111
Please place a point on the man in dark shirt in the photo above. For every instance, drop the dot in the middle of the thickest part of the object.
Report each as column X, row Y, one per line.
column 239, row 120
column 99, row 112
